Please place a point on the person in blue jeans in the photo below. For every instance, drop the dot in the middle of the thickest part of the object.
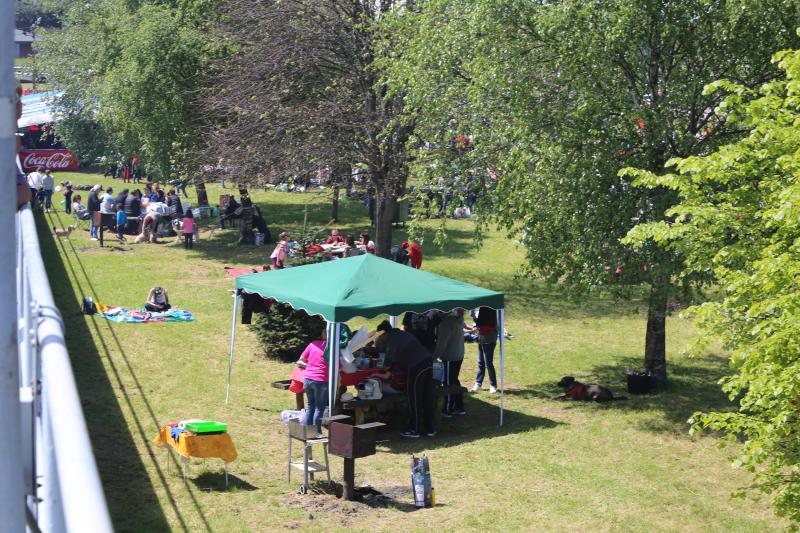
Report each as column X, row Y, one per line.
column 93, row 206
column 315, row 382
column 486, row 326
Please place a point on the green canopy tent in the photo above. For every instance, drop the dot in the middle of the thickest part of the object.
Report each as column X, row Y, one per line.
column 363, row 286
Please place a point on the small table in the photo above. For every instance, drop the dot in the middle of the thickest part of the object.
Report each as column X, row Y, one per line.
column 217, row 445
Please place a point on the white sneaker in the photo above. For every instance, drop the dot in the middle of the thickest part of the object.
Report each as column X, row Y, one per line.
column 476, row 387
column 492, row 390
column 93, row 239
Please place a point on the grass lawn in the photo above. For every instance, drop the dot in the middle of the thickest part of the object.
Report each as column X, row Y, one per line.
column 625, row 466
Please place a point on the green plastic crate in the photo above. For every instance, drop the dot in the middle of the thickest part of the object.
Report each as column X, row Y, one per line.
column 208, row 426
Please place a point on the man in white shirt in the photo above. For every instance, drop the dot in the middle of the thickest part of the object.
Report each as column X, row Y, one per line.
column 48, row 185
column 34, row 182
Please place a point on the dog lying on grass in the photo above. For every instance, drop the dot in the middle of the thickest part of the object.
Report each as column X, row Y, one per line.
column 63, row 232
column 575, row 390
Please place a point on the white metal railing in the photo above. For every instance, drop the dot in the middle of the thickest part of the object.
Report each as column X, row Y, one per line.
column 63, row 489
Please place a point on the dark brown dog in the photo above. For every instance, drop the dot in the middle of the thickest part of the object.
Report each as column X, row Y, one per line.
column 575, row 390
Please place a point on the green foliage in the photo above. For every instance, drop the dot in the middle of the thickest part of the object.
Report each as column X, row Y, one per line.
column 129, row 71
column 284, row 332
column 43, row 13
column 739, row 218
column 557, row 97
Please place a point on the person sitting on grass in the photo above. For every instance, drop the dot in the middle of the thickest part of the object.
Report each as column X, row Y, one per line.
column 157, row 300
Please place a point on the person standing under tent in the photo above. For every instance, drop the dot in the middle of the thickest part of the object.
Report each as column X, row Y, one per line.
column 450, row 349
column 315, row 381
column 423, row 327
column 404, row 348
column 486, row 328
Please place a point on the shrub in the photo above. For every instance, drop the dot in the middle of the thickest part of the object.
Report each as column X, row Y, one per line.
column 284, row 332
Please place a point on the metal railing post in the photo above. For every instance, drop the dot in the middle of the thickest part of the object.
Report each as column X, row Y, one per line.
column 12, row 488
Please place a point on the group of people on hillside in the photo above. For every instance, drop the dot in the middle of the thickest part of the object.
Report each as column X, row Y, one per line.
column 131, row 212
column 353, row 248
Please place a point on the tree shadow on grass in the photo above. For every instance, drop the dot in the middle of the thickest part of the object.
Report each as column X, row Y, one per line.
column 692, row 387
column 122, row 470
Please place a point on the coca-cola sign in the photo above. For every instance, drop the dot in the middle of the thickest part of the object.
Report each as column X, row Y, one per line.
column 49, row 159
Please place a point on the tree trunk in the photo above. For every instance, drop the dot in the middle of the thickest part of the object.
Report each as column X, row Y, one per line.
column 246, row 219
column 385, row 206
column 335, row 204
column 202, row 195
column 655, row 359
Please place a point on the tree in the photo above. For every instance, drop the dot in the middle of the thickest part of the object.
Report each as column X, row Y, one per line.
column 284, row 332
column 129, row 71
column 302, row 91
column 554, row 98
column 739, row 217
column 41, row 13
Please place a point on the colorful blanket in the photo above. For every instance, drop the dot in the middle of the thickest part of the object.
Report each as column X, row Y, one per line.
column 121, row 314
column 235, row 272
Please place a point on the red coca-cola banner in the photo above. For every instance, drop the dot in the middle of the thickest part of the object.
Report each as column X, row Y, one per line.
column 49, row 159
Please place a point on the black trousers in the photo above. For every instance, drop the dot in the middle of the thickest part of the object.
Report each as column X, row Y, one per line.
column 188, row 241
column 157, row 309
column 419, row 394
column 453, row 402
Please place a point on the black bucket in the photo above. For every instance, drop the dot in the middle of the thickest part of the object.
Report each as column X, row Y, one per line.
column 639, row 383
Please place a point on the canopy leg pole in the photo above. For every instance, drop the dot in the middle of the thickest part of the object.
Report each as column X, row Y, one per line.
column 501, row 331
column 329, row 334
column 233, row 340
column 335, row 364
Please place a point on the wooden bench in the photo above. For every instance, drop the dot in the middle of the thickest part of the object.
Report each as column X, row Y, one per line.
column 390, row 401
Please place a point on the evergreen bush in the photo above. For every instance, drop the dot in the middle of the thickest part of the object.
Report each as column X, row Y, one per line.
column 284, row 333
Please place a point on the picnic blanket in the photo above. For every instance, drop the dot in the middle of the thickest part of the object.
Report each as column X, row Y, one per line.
column 241, row 271
column 136, row 316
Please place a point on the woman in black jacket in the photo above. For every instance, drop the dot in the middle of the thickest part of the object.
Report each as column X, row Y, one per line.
column 93, row 206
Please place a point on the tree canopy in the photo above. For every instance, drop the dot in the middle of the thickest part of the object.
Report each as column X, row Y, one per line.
column 301, row 90
column 128, row 70
column 739, row 217
column 555, row 98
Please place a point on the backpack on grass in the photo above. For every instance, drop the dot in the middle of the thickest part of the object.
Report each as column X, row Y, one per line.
column 88, row 307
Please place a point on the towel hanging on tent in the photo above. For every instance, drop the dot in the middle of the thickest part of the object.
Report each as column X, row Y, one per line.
column 345, row 334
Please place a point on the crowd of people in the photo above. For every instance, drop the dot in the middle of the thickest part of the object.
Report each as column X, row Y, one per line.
column 128, row 212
